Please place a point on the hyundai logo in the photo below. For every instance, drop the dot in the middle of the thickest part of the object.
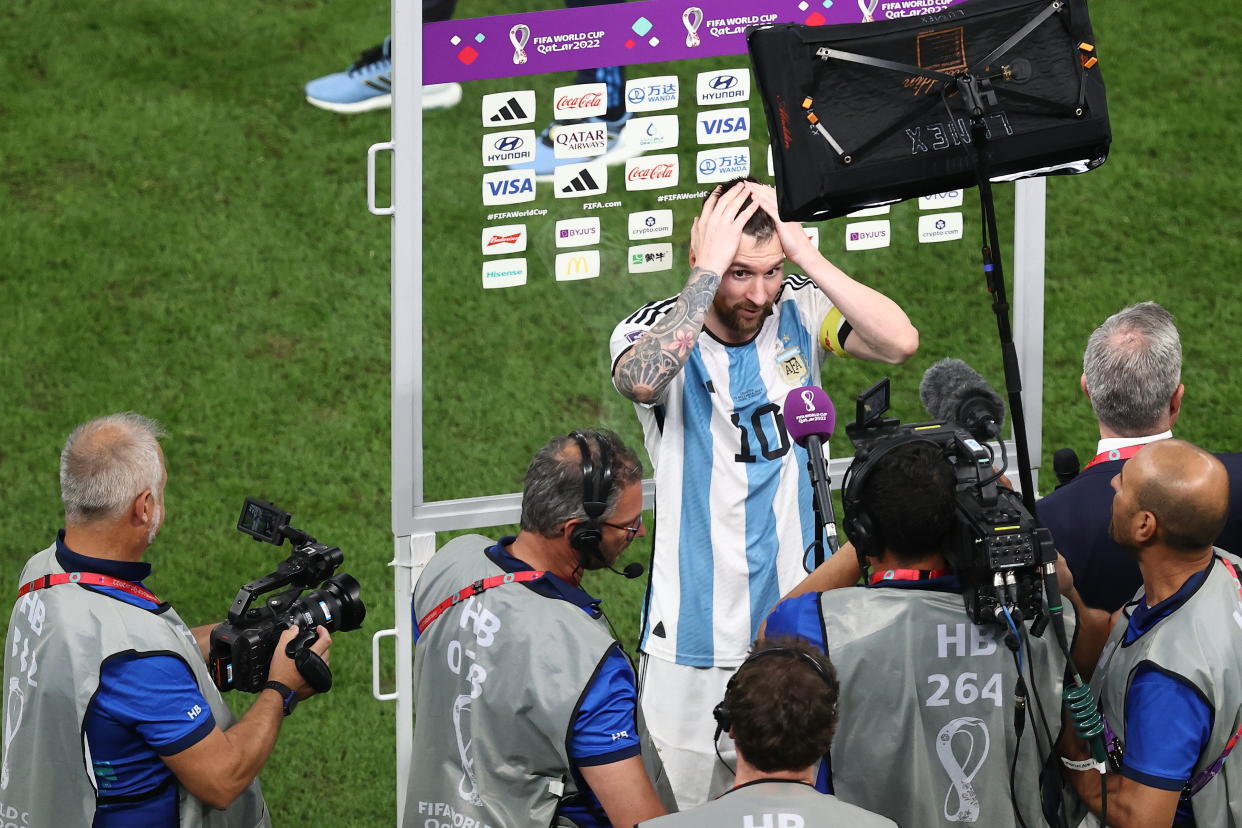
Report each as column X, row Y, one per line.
column 723, row 82
column 636, row 95
column 508, row 144
column 707, row 166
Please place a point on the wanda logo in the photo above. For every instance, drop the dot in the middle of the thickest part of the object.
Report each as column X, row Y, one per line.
column 580, row 102
column 652, row 173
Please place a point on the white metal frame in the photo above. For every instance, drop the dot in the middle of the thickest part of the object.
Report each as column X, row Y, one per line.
column 414, row 521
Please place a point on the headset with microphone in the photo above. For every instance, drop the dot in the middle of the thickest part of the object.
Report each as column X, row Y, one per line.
column 723, row 713
column 596, row 487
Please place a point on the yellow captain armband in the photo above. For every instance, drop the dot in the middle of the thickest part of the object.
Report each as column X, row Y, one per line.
column 831, row 331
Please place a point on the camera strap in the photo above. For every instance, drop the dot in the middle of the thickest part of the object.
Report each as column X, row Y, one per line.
column 907, row 575
column 481, row 585
column 91, row 579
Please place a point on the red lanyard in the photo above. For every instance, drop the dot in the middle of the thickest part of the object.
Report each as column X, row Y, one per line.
column 91, row 578
column 1115, row 454
column 907, row 575
column 481, row 585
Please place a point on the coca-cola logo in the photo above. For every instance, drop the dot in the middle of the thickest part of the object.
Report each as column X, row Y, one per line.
column 651, row 173
column 581, row 102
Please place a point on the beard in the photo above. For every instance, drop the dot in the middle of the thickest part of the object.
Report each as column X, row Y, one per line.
column 733, row 318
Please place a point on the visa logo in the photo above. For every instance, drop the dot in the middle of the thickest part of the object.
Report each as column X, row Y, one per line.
column 721, row 126
column 508, row 187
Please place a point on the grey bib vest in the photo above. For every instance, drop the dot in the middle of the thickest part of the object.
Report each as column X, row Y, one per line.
column 497, row 681
column 926, row 732
column 58, row 637
column 1201, row 643
column 772, row 803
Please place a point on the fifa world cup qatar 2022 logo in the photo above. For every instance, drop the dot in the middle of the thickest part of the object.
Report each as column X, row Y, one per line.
column 692, row 18
column 519, row 36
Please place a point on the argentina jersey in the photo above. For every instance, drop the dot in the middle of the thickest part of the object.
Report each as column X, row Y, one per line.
column 733, row 498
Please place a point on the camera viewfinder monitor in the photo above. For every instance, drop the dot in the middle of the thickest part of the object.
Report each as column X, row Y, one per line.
column 263, row 521
column 872, row 404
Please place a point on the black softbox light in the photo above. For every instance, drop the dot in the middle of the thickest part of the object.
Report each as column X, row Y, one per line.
column 870, row 113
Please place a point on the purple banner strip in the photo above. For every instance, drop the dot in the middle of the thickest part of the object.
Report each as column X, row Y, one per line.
column 621, row 34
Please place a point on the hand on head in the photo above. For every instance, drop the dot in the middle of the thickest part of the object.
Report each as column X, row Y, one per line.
column 717, row 232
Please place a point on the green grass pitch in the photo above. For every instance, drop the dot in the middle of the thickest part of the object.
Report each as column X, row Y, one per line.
column 180, row 234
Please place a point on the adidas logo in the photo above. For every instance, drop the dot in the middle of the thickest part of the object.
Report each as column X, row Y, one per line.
column 505, row 108
column 511, row 111
column 572, row 180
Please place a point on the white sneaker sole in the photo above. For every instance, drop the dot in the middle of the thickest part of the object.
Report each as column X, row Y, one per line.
column 435, row 96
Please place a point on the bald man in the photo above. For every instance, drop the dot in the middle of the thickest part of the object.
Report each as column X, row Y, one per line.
column 1169, row 681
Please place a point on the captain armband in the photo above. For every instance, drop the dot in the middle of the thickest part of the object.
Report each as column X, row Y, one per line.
column 833, row 331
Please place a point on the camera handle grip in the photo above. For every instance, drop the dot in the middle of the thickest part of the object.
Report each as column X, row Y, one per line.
column 317, row 673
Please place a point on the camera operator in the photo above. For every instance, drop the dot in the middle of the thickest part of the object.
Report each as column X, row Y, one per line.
column 525, row 701
column 111, row 718
column 780, row 709
column 923, row 687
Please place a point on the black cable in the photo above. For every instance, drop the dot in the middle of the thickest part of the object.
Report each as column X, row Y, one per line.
column 1019, row 728
column 1043, row 719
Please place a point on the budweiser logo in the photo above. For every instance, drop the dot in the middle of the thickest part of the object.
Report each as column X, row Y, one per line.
column 651, row 173
column 581, row 102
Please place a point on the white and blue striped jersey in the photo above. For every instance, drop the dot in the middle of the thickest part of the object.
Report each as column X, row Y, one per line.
column 734, row 513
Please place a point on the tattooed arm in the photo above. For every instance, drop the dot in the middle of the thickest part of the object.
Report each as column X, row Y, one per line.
column 645, row 370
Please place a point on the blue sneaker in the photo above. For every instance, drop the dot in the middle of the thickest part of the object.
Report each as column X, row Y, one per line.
column 617, row 151
column 367, row 85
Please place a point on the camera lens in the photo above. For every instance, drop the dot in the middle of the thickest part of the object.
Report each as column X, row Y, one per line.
column 336, row 605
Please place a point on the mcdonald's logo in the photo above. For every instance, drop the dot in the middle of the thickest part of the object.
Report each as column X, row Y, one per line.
column 582, row 264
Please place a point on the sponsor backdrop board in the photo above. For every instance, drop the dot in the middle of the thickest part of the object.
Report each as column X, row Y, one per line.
column 684, row 131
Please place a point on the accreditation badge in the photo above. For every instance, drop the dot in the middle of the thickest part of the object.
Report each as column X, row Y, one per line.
column 792, row 367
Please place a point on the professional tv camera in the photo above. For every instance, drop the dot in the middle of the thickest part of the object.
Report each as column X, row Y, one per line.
column 242, row 647
column 1001, row 555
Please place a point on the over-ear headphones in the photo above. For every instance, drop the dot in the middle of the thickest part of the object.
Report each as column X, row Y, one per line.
column 722, row 712
column 596, row 486
column 867, row 538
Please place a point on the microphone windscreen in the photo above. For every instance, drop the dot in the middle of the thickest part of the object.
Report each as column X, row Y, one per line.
column 809, row 412
column 633, row 570
column 950, row 384
column 1065, row 464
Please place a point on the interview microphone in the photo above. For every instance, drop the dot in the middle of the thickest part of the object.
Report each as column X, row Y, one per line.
column 1065, row 465
column 809, row 419
column 631, row 571
column 952, row 391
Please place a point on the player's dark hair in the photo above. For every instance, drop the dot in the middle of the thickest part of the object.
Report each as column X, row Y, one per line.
column 783, row 713
column 760, row 226
column 909, row 498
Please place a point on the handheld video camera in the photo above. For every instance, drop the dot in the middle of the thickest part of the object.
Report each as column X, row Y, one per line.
column 1000, row 553
column 242, row 647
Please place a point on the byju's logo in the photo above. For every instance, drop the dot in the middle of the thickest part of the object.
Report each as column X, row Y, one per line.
column 867, row 235
column 574, row 180
column 652, row 224
column 723, row 126
column 716, row 165
column 577, row 232
column 506, row 238
column 582, row 264
column 505, row 148
column 729, row 86
column 651, row 94
column 651, row 172
column 652, row 132
column 509, row 108
column 585, row 100
column 508, row 187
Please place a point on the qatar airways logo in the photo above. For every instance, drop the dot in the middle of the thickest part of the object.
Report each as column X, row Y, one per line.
column 579, row 140
column 583, row 100
column 651, row 172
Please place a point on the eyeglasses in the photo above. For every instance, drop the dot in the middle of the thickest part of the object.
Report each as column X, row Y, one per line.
column 631, row 530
